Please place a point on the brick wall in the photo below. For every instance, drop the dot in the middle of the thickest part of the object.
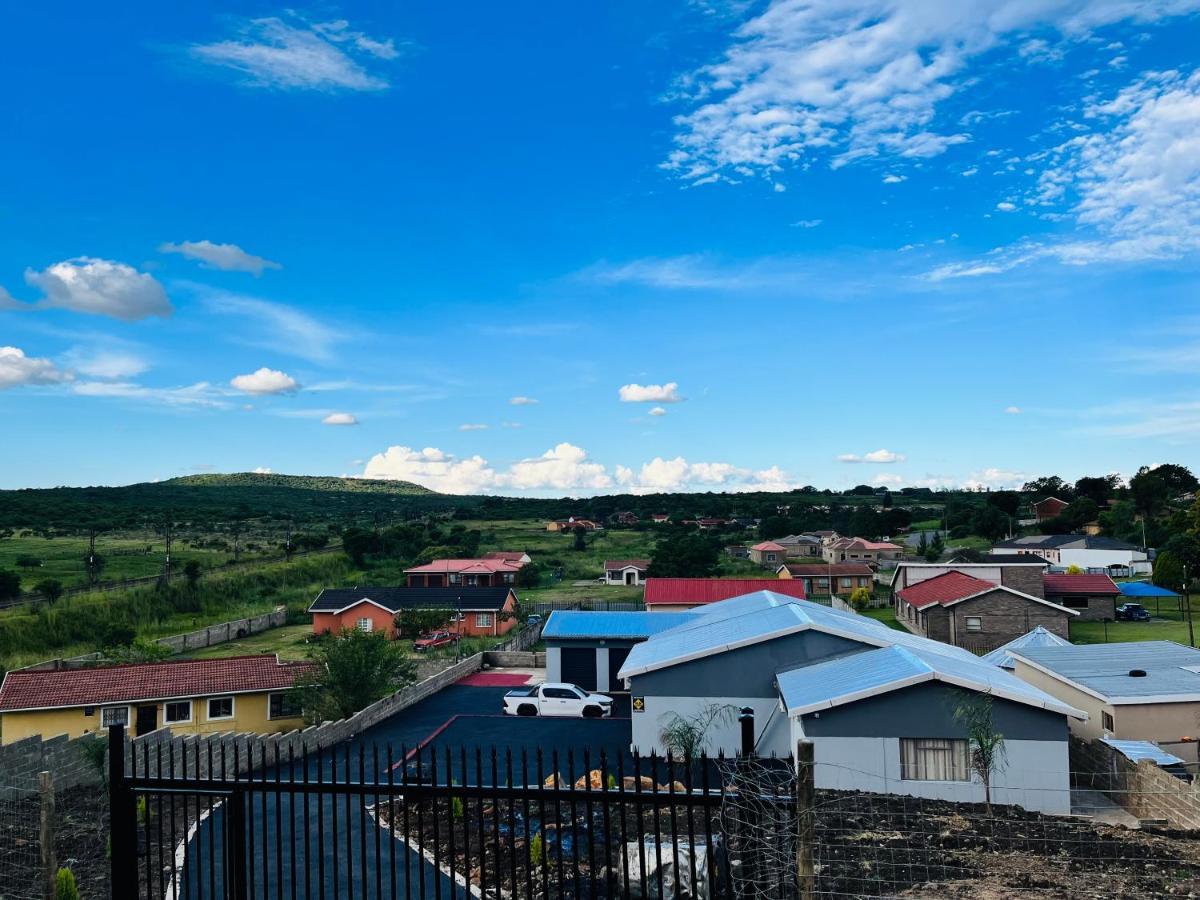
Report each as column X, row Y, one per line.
column 522, row 659
column 1145, row 790
column 1026, row 579
column 21, row 761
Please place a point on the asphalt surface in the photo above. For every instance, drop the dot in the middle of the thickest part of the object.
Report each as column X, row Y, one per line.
column 339, row 851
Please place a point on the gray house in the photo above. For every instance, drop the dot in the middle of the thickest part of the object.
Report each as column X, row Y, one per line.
column 878, row 704
column 589, row 648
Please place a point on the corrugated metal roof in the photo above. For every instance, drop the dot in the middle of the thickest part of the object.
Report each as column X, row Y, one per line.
column 712, row 590
column 1039, row 637
column 1079, row 584
column 1135, row 751
column 949, row 586
column 858, row 676
column 580, row 624
column 1103, row 669
column 1143, row 589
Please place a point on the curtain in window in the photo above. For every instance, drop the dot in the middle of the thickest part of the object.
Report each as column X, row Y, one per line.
column 933, row 759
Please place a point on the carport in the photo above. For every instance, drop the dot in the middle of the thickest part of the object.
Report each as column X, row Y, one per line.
column 588, row 648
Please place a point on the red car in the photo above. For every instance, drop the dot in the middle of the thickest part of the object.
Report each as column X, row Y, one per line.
column 435, row 639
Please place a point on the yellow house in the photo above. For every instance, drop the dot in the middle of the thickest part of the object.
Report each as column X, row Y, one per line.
column 195, row 696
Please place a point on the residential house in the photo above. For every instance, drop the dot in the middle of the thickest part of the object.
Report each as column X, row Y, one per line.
column 860, row 550
column 571, row 523
column 464, row 573
column 625, row 571
column 681, row 594
column 1139, row 690
column 1088, row 552
column 800, row 546
column 588, row 648
column 960, row 609
column 768, row 553
column 842, row 579
column 194, row 696
column 877, row 704
column 737, row 551
column 625, row 518
column 512, row 556
column 1094, row 597
column 1039, row 637
column 824, row 535
column 473, row 611
column 660, row 518
column 1021, row 573
column 1049, row 508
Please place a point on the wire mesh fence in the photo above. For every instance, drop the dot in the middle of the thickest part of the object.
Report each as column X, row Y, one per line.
column 20, row 846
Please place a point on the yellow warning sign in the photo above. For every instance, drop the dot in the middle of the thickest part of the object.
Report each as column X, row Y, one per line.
column 639, row 704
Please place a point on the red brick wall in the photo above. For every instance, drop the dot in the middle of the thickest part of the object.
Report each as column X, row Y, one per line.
column 382, row 619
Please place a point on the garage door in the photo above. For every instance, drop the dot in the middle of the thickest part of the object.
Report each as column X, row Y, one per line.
column 616, row 659
column 579, row 667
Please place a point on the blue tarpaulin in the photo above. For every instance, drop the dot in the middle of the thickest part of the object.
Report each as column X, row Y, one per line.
column 1144, row 589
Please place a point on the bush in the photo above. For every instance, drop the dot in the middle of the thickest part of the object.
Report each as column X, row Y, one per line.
column 64, row 885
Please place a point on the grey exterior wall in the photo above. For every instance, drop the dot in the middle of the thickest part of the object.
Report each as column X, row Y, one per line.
column 744, row 672
column 1100, row 606
column 927, row 710
column 1004, row 617
column 1026, row 579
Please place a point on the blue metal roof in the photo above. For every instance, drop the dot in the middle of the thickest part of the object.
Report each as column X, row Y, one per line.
column 632, row 625
column 1144, row 589
column 1172, row 671
column 1136, row 751
column 1039, row 637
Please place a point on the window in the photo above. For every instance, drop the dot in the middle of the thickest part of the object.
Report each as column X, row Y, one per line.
column 283, row 706
column 933, row 759
column 365, row 624
column 483, row 620
column 1106, row 721
column 220, row 708
column 770, row 557
column 974, row 623
column 1074, row 602
column 179, row 711
column 847, row 582
column 455, row 578
column 561, row 694
column 823, row 582
column 114, row 715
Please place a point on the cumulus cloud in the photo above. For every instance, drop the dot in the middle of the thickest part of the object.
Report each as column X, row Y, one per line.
column 100, row 287
column 265, row 381
column 658, row 411
column 563, row 467
column 888, row 480
column 17, row 369
column 339, row 418
column 523, row 401
column 850, row 79
column 1006, row 206
column 262, row 470
column 650, row 393
column 433, row 469
column 666, row 475
column 994, row 479
column 295, row 54
column 894, row 179
column 472, row 426
column 226, row 257
column 1013, row 410
column 875, row 456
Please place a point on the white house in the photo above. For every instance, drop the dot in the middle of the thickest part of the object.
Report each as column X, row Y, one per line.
column 625, row 571
column 1089, row 552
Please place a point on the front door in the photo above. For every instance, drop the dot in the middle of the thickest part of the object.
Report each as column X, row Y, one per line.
column 147, row 719
column 631, row 577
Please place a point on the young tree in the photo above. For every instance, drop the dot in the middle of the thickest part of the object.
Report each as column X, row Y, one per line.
column 936, row 547
column 922, row 545
column 686, row 737
column 1168, row 571
column 861, row 598
column 51, row 589
column 27, row 562
column 358, row 542
column 580, row 538
column 685, row 555
column 529, row 575
column 414, row 622
column 353, row 670
column 10, row 585
column 191, row 571
column 985, row 745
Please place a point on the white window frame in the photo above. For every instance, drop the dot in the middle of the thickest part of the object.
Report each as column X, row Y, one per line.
column 232, row 709
column 483, row 620
column 191, row 706
column 365, row 624
column 770, row 557
column 957, row 748
column 108, row 709
column 977, row 627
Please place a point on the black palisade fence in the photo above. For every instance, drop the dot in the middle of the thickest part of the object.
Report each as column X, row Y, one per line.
column 374, row 823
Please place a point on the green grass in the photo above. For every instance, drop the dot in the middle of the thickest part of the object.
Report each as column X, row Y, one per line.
column 1168, row 624
column 289, row 642
column 886, row 615
column 553, row 547
column 926, row 525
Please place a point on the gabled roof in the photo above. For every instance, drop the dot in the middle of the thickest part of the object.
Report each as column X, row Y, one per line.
column 835, row 682
column 614, row 565
column 767, row 546
column 712, row 590
column 1079, row 584
column 822, row 570
column 466, row 566
column 135, row 683
column 764, row 616
column 394, row 599
column 857, row 543
column 798, row 539
column 1039, row 637
column 509, row 555
column 1143, row 589
column 1172, row 671
column 954, row 587
column 1069, row 541
column 629, row 624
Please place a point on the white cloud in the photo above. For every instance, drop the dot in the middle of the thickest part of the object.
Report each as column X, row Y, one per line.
column 894, row 179
column 658, row 411
column 967, row 173
column 339, row 418
column 888, row 480
column 875, row 456
column 1006, row 206
column 106, row 363
column 666, row 475
column 857, row 78
column 650, row 393
column 295, row 54
column 1013, row 410
column 17, row 369
column 265, row 381
column 200, row 394
column 995, row 479
column 284, row 328
column 472, row 427
column 262, row 470
column 807, row 223
column 564, row 467
column 433, row 469
column 523, row 401
column 100, row 287
column 226, row 257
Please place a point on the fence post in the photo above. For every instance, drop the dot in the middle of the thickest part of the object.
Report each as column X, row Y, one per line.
column 805, row 820
column 122, row 819
column 49, row 862
column 236, row 861
column 746, row 720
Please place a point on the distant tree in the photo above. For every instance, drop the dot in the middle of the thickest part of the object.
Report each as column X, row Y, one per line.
column 1168, row 571
column 985, row 744
column 937, row 546
column 51, row 589
column 865, row 522
column 25, row 561
column 774, row 526
column 115, row 634
column 191, row 572
column 1185, row 547
column 93, row 564
column 1178, row 479
column 1100, row 488
column 990, row 522
column 414, row 622
column 862, row 490
column 685, row 555
column 922, row 545
column 358, row 543
column 10, row 585
column 1073, row 569
column 529, row 575
column 1047, row 486
column 1149, row 491
column 886, row 503
column 894, row 520
column 139, row 650
column 1008, row 502
column 580, row 539
column 353, row 670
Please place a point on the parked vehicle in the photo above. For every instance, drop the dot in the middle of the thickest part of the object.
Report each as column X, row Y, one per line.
column 533, row 619
column 1132, row 612
column 435, row 639
column 556, row 700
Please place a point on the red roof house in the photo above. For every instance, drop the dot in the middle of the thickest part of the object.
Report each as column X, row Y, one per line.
column 1094, row 597
column 768, row 553
column 1049, row 508
column 686, row 593
column 468, row 572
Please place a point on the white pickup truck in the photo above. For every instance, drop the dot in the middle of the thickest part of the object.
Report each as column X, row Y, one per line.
column 556, row 700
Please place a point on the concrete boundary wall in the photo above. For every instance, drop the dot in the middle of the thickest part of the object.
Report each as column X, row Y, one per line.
column 1144, row 790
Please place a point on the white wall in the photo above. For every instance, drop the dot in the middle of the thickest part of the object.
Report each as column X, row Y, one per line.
column 1098, row 559
column 770, row 724
column 553, row 664
column 1035, row 775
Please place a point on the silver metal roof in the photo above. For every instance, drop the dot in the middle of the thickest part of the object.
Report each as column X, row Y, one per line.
column 632, row 624
column 1172, row 670
column 1135, row 751
column 861, row 675
column 1039, row 637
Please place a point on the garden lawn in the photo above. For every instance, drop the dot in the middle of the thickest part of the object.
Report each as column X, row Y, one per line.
column 1171, row 626
column 555, row 548
column 886, row 615
column 288, row 642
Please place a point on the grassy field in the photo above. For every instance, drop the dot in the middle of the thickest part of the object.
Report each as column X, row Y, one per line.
column 886, row 615
column 289, row 642
column 1167, row 624
column 554, row 548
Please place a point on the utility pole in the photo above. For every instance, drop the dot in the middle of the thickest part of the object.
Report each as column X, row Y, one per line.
column 1187, row 599
column 287, row 544
column 167, row 531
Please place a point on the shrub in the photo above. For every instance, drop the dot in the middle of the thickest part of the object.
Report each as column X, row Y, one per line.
column 64, row 885
column 537, row 850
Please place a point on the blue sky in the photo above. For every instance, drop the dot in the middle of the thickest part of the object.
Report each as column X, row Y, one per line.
column 560, row 249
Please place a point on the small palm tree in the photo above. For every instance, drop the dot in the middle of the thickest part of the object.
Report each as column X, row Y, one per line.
column 686, row 737
column 984, row 742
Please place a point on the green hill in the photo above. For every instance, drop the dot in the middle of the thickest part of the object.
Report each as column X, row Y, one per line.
column 302, row 482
